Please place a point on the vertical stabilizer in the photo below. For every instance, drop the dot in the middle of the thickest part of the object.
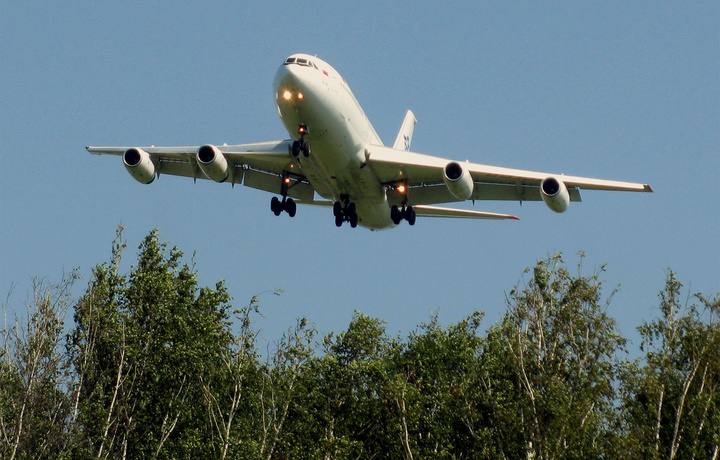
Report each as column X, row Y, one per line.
column 404, row 137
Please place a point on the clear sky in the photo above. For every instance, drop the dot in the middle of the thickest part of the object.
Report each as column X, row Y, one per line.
column 615, row 90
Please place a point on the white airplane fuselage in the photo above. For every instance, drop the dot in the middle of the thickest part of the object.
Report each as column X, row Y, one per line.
column 311, row 94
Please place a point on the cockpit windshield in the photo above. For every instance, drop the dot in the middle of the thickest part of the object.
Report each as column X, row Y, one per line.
column 300, row 61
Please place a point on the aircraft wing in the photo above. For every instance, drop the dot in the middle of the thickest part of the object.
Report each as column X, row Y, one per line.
column 260, row 165
column 424, row 175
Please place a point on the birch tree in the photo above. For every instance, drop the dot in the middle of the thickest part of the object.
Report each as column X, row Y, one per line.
column 141, row 345
column 34, row 374
column 671, row 398
column 561, row 348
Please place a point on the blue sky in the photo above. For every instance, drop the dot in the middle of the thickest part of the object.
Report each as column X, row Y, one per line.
column 616, row 90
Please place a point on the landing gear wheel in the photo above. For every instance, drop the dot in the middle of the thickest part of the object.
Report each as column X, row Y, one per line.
column 351, row 215
column 344, row 211
column 306, row 150
column 410, row 215
column 276, row 206
column 290, row 207
column 296, row 149
column 396, row 215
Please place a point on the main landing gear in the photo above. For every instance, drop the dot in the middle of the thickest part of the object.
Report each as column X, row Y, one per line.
column 301, row 146
column 345, row 212
column 287, row 204
column 407, row 213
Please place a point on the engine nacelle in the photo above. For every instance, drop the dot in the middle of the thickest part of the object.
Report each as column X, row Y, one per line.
column 139, row 165
column 458, row 180
column 213, row 163
column 555, row 194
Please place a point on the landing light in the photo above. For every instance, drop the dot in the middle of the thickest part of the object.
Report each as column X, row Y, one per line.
column 400, row 188
column 287, row 180
column 300, row 95
column 287, row 95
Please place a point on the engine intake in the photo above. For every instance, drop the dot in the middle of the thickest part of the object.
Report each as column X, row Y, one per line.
column 555, row 194
column 458, row 180
column 213, row 163
column 139, row 165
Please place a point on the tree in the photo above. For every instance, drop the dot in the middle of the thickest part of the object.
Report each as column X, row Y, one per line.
column 437, row 398
column 34, row 408
column 141, row 344
column 560, row 346
column 340, row 411
column 281, row 387
column 232, row 397
column 671, row 399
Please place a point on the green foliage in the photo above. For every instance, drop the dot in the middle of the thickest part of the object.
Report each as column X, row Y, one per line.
column 561, row 347
column 156, row 366
column 34, row 375
column 672, row 399
column 142, row 343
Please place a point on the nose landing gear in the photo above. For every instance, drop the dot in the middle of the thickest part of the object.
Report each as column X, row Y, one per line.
column 300, row 146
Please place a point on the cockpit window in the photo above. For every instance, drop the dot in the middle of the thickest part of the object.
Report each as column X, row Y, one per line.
column 300, row 61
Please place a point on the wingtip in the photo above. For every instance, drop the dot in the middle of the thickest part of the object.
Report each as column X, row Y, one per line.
column 648, row 188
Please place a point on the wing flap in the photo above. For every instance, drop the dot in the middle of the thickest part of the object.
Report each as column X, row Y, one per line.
column 436, row 194
column 297, row 189
column 438, row 211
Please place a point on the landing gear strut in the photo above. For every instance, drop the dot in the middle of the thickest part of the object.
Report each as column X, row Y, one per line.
column 345, row 212
column 407, row 213
column 300, row 146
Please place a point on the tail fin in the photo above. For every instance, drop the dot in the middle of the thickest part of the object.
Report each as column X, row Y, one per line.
column 404, row 137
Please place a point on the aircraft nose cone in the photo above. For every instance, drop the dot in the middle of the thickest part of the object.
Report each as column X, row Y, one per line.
column 286, row 75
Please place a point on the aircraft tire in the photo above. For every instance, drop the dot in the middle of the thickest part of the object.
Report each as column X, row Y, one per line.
column 395, row 215
column 276, row 206
column 290, row 207
column 411, row 216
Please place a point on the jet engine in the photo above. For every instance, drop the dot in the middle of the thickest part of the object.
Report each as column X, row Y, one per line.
column 213, row 163
column 139, row 164
column 458, row 180
column 555, row 194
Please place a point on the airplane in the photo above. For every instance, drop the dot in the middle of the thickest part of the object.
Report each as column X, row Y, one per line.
column 335, row 158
